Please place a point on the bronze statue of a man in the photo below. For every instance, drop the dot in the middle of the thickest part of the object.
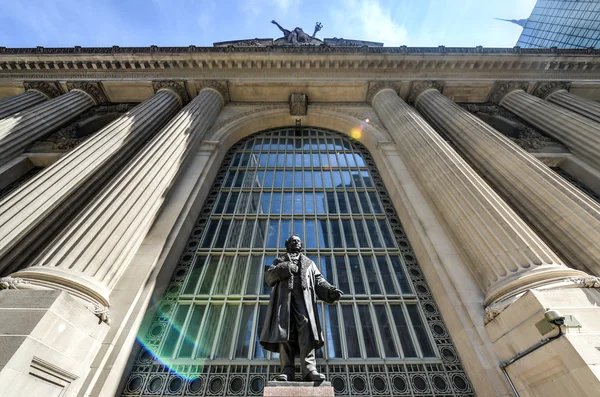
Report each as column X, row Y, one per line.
column 292, row 321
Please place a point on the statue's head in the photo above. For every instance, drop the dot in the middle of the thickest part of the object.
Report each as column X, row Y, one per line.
column 293, row 244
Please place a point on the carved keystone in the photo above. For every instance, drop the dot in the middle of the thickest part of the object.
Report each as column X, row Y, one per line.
column 501, row 89
column 543, row 90
column 298, row 104
column 92, row 89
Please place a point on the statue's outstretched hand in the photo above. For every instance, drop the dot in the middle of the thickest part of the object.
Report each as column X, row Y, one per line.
column 336, row 294
column 273, row 22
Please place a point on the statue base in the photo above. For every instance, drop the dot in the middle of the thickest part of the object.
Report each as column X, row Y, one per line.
column 304, row 389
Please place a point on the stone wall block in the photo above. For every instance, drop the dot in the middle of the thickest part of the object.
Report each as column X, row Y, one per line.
column 30, row 213
column 23, row 128
column 567, row 218
column 20, row 102
column 580, row 134
column 97, row 246
column 503, row 253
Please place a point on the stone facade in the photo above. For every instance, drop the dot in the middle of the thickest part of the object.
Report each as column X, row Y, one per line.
column 93, row 239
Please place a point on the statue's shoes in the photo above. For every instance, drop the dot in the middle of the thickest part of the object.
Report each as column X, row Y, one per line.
column 314, row 376
column 284, row 377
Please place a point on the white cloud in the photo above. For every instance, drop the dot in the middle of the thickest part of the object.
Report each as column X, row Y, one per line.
column 366, row 20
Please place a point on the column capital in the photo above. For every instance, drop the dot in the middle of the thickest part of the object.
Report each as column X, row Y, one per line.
column 502, row 88
column 177, row 87
column 219, row 86
column 46, row 88
column 418, row 87
column 92, row 89
column 544, row 89
column 376, row 86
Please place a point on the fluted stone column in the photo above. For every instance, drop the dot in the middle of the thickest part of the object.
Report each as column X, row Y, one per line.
column 580, row 134
column 584, row 107
column 568, row 219
column 17, row 103
column 23, row 128
column 95, row 248
column 503, row 253
column 30, row 214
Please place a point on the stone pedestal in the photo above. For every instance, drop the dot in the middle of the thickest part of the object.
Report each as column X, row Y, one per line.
column 304, row 389
column 48, row 342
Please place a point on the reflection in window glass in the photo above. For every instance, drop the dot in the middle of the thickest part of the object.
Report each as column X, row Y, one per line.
column 403, row 332
column 420, row 331
column 368, row 333
column 352, row 345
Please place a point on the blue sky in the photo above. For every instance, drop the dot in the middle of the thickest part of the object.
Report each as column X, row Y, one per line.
column 65, row 23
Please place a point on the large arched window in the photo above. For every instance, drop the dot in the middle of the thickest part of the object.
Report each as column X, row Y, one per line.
column 385, row 337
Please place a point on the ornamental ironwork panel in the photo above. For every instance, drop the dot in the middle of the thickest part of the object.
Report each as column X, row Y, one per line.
column 384, row 337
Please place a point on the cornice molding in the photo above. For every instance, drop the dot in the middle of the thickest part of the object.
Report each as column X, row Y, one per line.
column 546, row 88
column 291, row 49
column 46, row 88
column 177, row 87
column 419, row 87
column 219, row 86
column 376, row 86
column 92, row 89
column 503, row 88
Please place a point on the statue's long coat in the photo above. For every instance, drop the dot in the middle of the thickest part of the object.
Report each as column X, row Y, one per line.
column 276, row 328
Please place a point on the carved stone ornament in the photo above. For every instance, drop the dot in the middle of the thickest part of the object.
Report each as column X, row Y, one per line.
column 92, row 89
column 177, row 87
column 586, row 282
column 545, row 89
column 298, row 105
column 219, row 86
column 493, row 310
column 419, row 87
column 103, row 314
column 48, row 89
column 501, row 89
column 375, row 87
column 11, row 282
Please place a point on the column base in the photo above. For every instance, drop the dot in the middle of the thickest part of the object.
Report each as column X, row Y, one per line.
column 48, row 342
column 303, row 389
column 565, row 366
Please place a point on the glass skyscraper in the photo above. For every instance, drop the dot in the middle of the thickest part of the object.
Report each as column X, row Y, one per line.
column 562, row 24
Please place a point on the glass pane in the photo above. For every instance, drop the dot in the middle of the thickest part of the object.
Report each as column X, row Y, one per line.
column 191, row 332
column 342, row 273
column 375, row 240
column 309, row 203
column 308, row 179
column 323, row 233
column 352, row 345
column 266, row 290
column 287, row 203
column 239, row 270
column 286, row 231
column 311, row 234
column 195, row 273
column 353, row 203
column 242, row 346
column 232, row 238
column 408, row 347
column 289, row 179
column 364, row 202
column 348, row 234
column 278, row 179
column 211, row 230
column 298, row 203
column 209, row 330
column 386, row 275
column 375, row 203
column 260, row 233
column 368, row 332
column 258, row 350
column 320, row 202
column 269, row 178
column 253, row 274
column 220, row 240
column 224, row 273
column 400, row 276
column 331, row 202
column 276, row 203
column 387, row 235
column 361, row 234
column 336, row 234
column 209, row 275
column 356, row 275
column 385, row 331
column 227, row 328
column 298, row 182
column 176, row 325
column 342, row 203
column 420, row 331
column 371, row 273
column 220, row 203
